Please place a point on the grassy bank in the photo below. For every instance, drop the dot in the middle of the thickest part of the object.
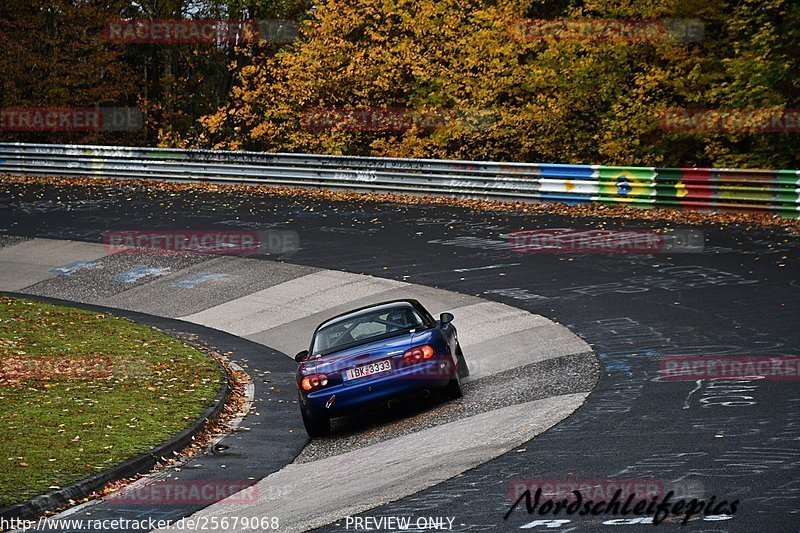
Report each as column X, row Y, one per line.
column 82, row 391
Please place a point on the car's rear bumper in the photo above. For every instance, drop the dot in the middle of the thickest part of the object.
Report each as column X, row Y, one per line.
column 361, row 392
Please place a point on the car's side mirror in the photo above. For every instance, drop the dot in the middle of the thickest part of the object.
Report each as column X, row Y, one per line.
column 301, row 355
column 446, row 318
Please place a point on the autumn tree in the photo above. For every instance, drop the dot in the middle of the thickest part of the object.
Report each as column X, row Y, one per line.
column 53, row 54
column 59, row 54
column 514, row 95
column 186, row 80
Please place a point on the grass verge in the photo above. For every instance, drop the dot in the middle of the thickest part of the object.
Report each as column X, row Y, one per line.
column 82, row 391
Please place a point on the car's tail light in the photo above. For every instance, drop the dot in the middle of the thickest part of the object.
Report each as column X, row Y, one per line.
column 418, row 353
column 314, row 381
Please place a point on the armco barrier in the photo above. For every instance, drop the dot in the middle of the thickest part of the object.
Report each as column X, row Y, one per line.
column 776, row 191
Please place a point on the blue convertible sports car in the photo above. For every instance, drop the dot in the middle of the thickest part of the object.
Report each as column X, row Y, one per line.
column 374, row 354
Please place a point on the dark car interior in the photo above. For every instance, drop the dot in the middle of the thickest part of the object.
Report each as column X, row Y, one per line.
column 364, row 327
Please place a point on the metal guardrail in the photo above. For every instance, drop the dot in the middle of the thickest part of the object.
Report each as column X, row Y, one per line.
column 776, row 191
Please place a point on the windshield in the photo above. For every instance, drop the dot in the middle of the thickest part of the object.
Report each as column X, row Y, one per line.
column 363, row 327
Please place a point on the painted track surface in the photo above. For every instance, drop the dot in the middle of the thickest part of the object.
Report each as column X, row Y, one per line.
column 740, row 296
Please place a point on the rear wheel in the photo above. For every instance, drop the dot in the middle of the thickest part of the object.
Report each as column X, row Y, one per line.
column 316, row 427
column 461, row 363
column 452, row 391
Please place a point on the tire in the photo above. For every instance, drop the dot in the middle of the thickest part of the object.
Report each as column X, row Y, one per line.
column 452, row 391
column 316, row 427
column 461, row 364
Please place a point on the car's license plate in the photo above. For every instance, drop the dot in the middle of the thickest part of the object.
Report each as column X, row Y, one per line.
column 368, row 369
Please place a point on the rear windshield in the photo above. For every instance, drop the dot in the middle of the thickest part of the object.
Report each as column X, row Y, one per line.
column 364, row 327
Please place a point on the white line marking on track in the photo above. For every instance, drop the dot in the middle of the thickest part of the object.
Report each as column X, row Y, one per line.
column 699, row 384
column 486, row 267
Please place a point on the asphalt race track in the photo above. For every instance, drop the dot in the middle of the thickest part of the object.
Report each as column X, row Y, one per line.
column 738, row 296
column 278, row 305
